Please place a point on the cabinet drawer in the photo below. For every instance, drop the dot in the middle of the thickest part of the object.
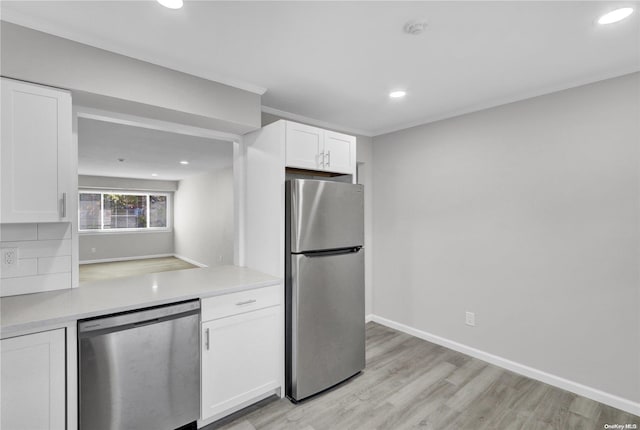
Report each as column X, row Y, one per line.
column 243, row 301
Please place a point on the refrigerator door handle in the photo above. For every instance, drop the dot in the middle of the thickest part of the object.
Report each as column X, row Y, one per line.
column 329, row 252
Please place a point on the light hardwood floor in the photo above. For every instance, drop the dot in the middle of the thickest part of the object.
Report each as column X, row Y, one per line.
column 409, row 383
column 119, row 269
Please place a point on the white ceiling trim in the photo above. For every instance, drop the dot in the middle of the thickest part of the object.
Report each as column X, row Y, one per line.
column 18, row 18
column 317, row 123
column 456, row 113
column 508, row 100
column 153, row 124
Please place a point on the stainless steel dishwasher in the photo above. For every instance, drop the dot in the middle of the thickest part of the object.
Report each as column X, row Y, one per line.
column 140, row 370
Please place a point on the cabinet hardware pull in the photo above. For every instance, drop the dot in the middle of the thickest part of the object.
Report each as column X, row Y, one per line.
column 64, row 205
column 322, row 162
column 329, row 158
column 206, row 340
column 246, row 302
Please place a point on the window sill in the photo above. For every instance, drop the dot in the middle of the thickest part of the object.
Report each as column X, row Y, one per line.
column 123, row 231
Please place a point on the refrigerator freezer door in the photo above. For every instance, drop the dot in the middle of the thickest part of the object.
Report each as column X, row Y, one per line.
column 326, row 215
column 327, row 325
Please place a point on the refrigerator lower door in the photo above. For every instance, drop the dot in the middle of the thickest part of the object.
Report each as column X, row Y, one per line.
column 326, row 307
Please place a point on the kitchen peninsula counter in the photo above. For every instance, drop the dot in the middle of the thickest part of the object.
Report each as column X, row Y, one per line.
column 31, row 312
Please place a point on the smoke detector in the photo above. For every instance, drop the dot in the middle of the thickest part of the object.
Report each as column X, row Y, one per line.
column 415, row 27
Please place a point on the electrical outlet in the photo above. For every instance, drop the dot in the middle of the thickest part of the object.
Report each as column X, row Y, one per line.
column 470, row 319
column 93, row 250
column 220, row 259
column 9, row 257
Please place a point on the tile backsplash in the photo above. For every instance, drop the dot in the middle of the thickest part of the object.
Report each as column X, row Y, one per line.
column 43, row 253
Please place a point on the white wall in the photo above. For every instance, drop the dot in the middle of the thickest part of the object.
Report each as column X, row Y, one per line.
column 364, row 156
column 528, row 215
column 204, row 219
column 113, row 183
column 96, row 247
column 118, row 83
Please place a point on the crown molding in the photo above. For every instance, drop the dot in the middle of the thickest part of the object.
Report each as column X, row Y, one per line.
column 511, row 99
column 315, row 122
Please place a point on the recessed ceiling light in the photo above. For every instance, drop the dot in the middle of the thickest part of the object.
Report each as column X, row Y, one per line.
column 184, row 162
column 154, row 174
column 397, row 94
column 171, row 4
column 615, row 15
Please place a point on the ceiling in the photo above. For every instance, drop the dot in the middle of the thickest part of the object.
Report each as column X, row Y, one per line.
column 146, row 151
column 336, row 62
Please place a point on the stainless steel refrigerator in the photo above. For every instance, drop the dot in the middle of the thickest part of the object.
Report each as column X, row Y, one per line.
column 324, row 265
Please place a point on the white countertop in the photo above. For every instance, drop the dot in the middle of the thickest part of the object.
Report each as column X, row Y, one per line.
column 34, row 311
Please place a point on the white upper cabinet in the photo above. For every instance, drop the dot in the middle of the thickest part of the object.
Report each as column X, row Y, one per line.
column 304, row 146
column 340, row 152
column 36, row 153
column 313, row 148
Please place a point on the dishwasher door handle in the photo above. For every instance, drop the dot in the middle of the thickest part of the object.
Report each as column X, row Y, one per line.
column 147, row 322
column 206, row 339
column 127, row 320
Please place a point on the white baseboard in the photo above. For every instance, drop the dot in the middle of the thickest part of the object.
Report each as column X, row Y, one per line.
column 111, row 260
column 189, row 260
column 530, row 372
column 369, row 318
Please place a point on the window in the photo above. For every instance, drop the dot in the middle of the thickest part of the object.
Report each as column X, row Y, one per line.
column 103, row 211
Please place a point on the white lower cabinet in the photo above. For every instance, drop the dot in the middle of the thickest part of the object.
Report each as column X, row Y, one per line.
column 33, row 381
column 241, row 350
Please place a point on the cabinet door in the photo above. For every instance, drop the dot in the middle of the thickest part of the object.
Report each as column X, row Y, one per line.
column 240, row 359
column 340, row 153
column 35, row 153
column 33, row 381
column 304, row 146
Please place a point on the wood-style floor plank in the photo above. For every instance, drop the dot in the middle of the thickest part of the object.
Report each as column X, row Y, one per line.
column 409, row 383
column 119, row 269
